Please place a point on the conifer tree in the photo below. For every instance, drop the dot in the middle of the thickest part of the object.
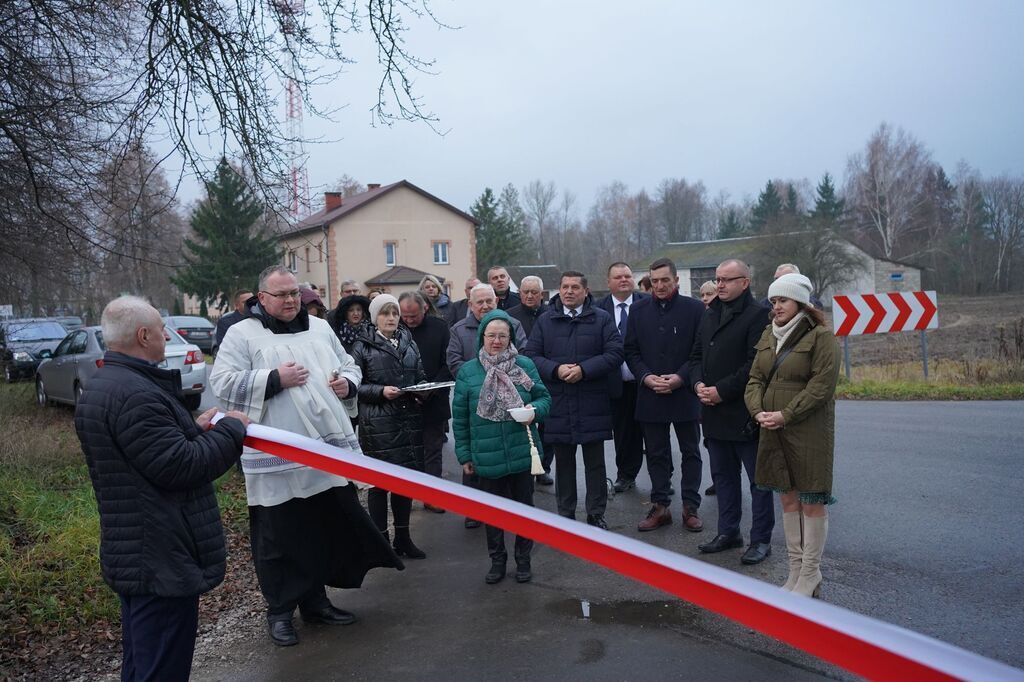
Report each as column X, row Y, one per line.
column 502, row 235
column 767, row 209
column 228, row 248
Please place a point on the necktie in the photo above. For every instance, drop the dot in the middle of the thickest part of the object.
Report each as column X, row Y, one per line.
column 573, row 313
column 623, row 317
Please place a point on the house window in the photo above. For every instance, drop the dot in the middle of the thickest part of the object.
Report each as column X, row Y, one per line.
column 320, row 248
column 307, row 259
column 440, row 253
column 390, row 253
column 291, row 261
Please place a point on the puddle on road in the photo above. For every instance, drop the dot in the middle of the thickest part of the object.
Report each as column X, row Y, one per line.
column 663, row 613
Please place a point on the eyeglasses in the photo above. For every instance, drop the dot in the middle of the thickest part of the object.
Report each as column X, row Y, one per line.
column 497, row 337
column 285, row 294
column 724, row 280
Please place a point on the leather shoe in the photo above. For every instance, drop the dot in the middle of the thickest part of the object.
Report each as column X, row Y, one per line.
column 282, row 633
column 657, row 517
column 472, row 523
column 430, row 507
column 756, row 553
column 598, row 521
column 721, row 543
column 710, row 490
column 496, row 574
column 544, row 479
column 523, row 573
column 624, row 484
column 691, row 521
column 330, row 615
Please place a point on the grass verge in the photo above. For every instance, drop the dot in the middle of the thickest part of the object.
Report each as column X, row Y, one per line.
column 51, row 589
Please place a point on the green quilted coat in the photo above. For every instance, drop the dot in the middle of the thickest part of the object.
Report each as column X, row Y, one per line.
column 496, row 449
column 799, row 455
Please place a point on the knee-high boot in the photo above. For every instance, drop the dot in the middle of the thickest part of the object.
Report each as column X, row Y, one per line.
column 401, row 507
column 792, row 524
column 815, row 532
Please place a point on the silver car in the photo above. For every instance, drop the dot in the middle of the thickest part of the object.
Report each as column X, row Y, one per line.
column 62, row 377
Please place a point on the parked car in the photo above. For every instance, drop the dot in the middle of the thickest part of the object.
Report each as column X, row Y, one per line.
column 62, row 377
column 197, row 330
column 70, row 322
column 25, row 342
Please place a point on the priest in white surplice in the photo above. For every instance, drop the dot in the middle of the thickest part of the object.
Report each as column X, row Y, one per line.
column 287, row 369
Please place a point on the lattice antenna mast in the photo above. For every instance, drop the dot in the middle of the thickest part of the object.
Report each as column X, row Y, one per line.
column 291, row 12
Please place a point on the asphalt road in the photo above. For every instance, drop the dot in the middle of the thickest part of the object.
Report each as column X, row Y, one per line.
column 926, row 535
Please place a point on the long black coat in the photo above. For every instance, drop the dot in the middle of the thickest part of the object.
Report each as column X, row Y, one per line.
column 431, row 338
column 608, row 304
column 527, row 316
column 659, row 340
column 152, row 470
column 580, row 412
column 722, row 358
column 391, row 430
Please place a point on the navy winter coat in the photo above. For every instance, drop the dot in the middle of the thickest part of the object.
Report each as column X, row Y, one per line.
column 722, row 357
column 580, row 412
column 659, row 340
column 152, row 470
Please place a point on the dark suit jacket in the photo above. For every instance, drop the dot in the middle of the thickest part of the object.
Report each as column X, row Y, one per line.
column 456, row 311
column 510, row 301
column 722, row 357
column 659, row 340
column 608, row 304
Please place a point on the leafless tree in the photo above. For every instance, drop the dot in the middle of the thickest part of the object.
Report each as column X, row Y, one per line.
column 884, row 187
column 1004, row 205
column 681, row 209
column 539, row 205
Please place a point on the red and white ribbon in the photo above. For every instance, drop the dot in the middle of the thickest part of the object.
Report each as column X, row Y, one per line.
column 860, row 644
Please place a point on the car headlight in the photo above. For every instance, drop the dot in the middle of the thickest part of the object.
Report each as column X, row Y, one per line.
column 22, row 356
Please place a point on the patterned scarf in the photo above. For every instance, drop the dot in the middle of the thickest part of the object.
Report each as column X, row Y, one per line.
column 348, row 334
column 498, row 393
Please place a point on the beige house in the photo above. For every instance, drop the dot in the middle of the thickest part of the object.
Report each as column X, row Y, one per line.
column 386, row 238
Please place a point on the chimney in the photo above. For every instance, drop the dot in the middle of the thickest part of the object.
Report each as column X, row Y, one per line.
column 372, row 185
column 332, row 200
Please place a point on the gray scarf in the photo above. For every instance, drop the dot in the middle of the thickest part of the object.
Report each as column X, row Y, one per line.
column 498, row 393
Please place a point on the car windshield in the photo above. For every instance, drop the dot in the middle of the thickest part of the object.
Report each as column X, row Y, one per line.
column 34, row 331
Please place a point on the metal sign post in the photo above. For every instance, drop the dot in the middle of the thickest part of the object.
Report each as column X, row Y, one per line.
column 846, row 355
column 924, row 354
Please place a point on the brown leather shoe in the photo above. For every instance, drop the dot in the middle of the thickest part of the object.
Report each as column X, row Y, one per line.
column 691, row 521
column 657, row 517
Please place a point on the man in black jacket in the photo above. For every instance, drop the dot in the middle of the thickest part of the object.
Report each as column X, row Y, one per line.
column 431, row 335
column 532, row 305
column 498, row 278
column 659, row 341
column 236, row 315
column 719, row 369
column 457, row 310
column 575, row 347
column 629, row 439
column 152, row 469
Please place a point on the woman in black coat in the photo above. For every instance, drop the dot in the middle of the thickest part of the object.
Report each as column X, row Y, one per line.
column 390, row 421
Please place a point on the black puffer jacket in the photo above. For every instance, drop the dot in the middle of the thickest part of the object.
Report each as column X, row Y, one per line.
column 391, row 430
column 152, row 470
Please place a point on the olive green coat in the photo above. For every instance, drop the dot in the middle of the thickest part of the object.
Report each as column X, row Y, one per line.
column 799, row 455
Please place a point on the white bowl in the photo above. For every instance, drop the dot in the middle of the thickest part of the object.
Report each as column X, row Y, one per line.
column 521, row 414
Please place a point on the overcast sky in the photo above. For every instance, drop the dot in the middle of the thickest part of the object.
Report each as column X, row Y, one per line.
column 730, row 93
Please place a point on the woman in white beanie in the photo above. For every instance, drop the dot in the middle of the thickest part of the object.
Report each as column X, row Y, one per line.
column 791, row 397
column 390, row 421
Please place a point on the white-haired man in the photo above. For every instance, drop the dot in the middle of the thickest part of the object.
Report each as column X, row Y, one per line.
column 287, row 369
column 462, row 345
column 152, row 467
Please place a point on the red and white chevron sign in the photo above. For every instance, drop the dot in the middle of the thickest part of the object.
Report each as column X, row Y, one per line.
column 896, row 311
